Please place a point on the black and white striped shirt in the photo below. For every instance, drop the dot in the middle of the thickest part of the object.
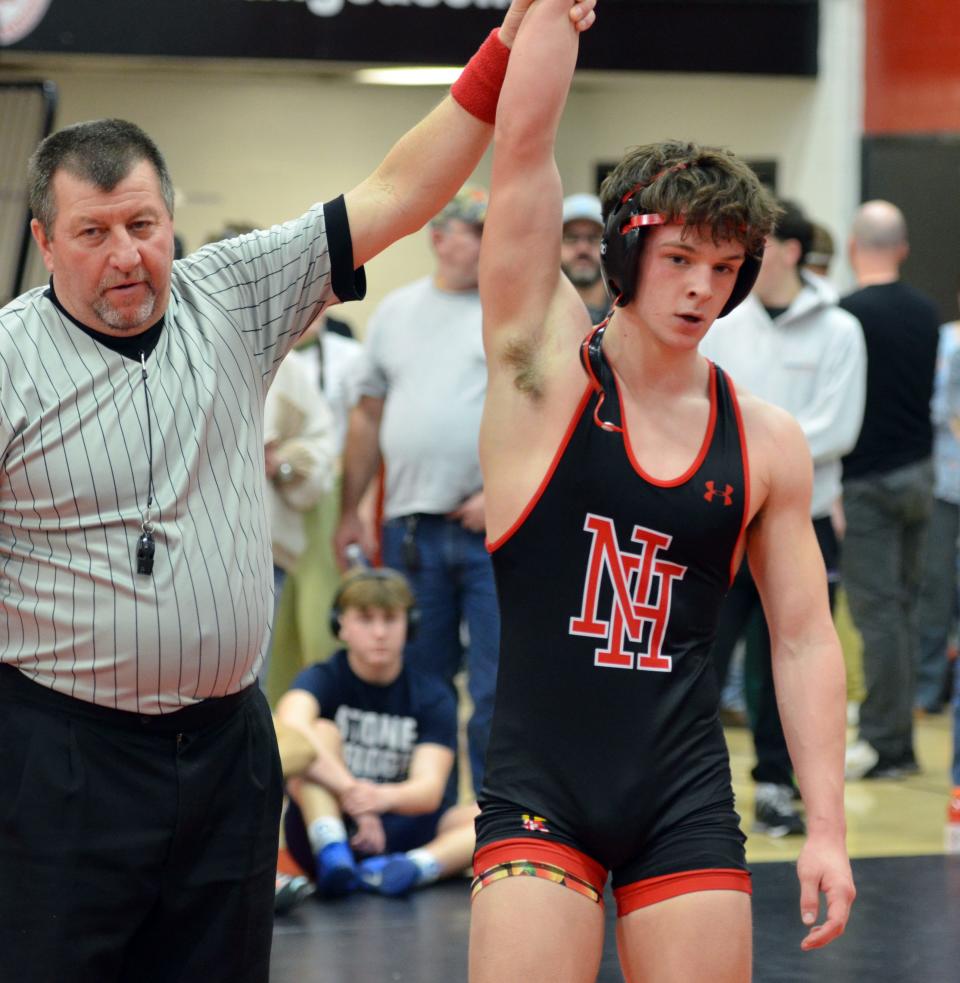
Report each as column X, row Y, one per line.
column 74, row 470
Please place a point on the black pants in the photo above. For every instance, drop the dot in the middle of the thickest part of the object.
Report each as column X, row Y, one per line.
column 135, row 848
column 742, row 614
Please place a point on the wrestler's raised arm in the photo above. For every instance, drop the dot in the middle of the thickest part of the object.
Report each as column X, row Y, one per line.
column 428, row 164
column 533, row 317
column 520, row 259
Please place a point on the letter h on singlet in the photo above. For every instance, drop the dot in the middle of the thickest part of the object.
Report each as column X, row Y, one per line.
column 642, row 585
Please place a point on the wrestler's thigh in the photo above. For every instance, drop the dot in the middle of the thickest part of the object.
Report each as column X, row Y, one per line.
column 701, row 936
column 525, row 928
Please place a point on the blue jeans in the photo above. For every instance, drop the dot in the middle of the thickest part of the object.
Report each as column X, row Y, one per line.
column 937, row 605
column 955, row 771
column 887, row 517
column 452, row 578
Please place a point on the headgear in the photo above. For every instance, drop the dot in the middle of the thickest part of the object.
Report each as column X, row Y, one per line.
column 620, row 247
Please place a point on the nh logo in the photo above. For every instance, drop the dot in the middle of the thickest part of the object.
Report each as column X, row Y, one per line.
column 642, row 583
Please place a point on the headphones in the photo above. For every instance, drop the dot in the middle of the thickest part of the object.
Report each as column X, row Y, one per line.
column 620, row 248
column 382, row 575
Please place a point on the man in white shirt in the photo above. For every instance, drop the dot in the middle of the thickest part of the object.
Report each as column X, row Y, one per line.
column 790, row 344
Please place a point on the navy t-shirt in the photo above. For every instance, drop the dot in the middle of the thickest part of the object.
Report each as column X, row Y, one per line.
column 381, row 725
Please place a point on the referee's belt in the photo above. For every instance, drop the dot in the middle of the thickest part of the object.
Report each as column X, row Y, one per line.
column 17, row 686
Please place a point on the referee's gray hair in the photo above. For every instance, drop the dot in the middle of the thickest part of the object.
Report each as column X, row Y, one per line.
column 102, row 152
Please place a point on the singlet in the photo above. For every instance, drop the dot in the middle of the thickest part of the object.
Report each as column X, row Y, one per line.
column 610, row 586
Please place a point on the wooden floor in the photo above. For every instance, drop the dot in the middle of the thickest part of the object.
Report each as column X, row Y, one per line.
column 905, row 926
column 884, row 818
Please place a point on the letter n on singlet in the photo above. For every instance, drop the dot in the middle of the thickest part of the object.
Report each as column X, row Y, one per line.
column 639, row 601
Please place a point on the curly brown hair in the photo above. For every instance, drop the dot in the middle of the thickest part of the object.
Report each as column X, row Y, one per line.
column 702, row 187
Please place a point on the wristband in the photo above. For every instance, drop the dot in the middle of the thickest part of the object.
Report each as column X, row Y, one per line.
column 478, row 87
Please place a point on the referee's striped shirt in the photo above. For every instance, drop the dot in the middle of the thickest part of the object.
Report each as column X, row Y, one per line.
column 74, row 469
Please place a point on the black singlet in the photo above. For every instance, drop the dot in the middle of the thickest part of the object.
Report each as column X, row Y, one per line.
column 610, row 587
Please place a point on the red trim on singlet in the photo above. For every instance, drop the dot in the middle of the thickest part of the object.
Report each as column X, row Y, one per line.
column 641, row 894
column 571, row 427
column 704, row 447
column 742, row 535
column 545, row 851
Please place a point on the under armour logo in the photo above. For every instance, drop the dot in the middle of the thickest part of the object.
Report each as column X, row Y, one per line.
column 712, row 492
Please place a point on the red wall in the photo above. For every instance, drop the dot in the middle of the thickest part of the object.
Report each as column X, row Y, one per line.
column 912, row 66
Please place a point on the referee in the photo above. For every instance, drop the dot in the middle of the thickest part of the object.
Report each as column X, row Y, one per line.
column 140, row 785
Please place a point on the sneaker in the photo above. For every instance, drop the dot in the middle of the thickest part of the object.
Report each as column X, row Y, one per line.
column 909, row 765
column 290, row 891
column 336, row 870
column 953, row 807
column 886, row 769
column 733, row 717
column 392, row 874
column 776, row 814
column 859, row 759
column 853, row 714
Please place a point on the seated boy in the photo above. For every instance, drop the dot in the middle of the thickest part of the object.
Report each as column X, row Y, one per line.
column 385, row 739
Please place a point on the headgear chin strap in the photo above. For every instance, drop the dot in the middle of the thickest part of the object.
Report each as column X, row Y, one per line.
column 620, row 248
column 592, row 361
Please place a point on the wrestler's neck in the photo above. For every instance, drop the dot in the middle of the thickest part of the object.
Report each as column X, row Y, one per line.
column 646, row 362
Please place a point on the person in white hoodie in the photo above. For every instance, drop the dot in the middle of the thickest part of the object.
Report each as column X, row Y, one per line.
column 790, row 344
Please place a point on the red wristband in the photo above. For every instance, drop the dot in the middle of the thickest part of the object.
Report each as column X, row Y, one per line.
column 478, row 87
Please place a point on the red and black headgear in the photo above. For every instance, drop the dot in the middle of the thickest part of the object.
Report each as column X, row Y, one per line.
column 620, row 247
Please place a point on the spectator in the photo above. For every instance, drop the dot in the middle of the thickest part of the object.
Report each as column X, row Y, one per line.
column 301, row 627
column 947, row 405
column 790, row 344
column 888, row 488
column 580, row 252
column 334, row 356
column 385, row 738
column 937, row 603
column 299, row 445
column 421, row 396
column 821, row 252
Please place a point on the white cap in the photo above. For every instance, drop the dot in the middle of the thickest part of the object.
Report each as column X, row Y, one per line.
column 582, row 207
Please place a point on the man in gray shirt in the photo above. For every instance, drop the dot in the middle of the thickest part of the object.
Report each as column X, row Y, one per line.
column 421, row 398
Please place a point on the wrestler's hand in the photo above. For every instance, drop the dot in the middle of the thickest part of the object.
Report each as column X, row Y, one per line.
column 581, row 13
column 370, row 837
column 824, row 868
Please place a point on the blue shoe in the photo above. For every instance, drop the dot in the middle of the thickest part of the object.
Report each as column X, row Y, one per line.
column 392, row 874
column 336, row 871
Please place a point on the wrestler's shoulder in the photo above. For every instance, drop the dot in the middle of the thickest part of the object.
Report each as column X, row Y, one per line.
column 770, row 431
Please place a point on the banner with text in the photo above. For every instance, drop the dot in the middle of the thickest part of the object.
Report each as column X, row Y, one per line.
column 777, row 37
